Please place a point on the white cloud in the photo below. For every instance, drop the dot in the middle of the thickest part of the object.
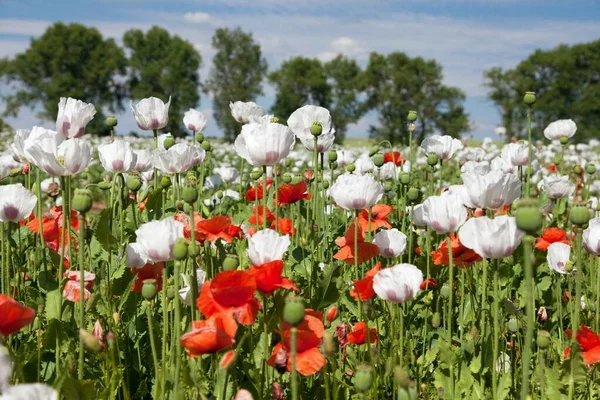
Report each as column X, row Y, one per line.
column 196, row 17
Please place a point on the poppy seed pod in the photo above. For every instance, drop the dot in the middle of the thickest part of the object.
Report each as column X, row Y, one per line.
column 363, row 378
column 199, row 137
column 316, row 128
column 287, row 178
column 231, row 262
column 193, row 250
column 579, row 215
column 412, row 116
column 556, row 159
column 413, row 194
column 206, row 145
column 293, row 311
column 189, row 194
column 513, row 325
column 332, row 156
column 288, row 162
column 165, row 182
column 590, row 168
column 275, row 120
column 111, row 121
column 529, row 98
column 134, row 182
column 436, row 320
column 149, row 289
column 577, row 170
column 528, row 217
column 351, row 167
column 256, row 174
column 180, row 249
column 169, row 142
column 404, row 178
column 432, row 159
column 543, row 339
column 82, row 200
column 388, row 186
column 378, row 160
column 564, row 140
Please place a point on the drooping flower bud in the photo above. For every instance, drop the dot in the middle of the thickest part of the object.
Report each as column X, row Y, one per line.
column 374, row 150
column 228, row 360
column 199, row 137
column 332, row 313
column 351, row 167
column 134, row 182
column 206, row 145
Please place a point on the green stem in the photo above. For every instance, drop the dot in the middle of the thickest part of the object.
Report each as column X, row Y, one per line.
column 81, row 290
column 294, row 372
column 530, row 321
column 153, row 344
column 177, row 330
column 496, row 329
column 450, row 311
column 264, row 200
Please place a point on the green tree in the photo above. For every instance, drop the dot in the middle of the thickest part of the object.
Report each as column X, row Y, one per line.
column 162, row 65
column 334, row 85
column 66, row 61
column 237, row 74
column 397, row 83
column 567, row 84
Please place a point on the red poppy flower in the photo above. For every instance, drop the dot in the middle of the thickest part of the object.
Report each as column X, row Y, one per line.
column 461, row 256
column 268, row 277
column 228, row 359
column 362, row 289
column 52, row 227
column 365, row 250
column 214, row 228
column 332, row 313
column 211, row 335
column 428, row 283
column 72, row 289
column 590, row 344
column 309, row 359
column 379, row 213
column 290, row 193
column 393, row 156
column 549, row 236
column 551, row 168
column 254, row 193
column 284, row 226
column 185, row 220
column 15, row 315
column 258, row 215
column 230, row 292
column 359, row 334
column 148, row 271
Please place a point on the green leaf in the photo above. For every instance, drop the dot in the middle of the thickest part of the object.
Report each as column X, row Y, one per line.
column 328, row 292
column 52, row 308
column 103, row 232
column 78, row 390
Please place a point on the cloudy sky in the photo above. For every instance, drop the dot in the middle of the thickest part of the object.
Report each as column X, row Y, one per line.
column 465, row 36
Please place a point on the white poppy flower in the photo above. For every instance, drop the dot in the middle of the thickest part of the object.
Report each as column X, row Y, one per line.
column 493, row 190
column 491, row 238
column 355, row 192
column 179, row 158
column 151, row 113
column 399, row 283
column 558, row 256
column 558, row 187
column 444, row 213
column 194, row 120
column 73, row 117
column 442, row 146
column 117, row 156
column 391, row 242
column 591, row 237
column 157, row 238
column 16, row 202
column 267, row 245
column 242, row 111
column 561, row 128
column 263, row 145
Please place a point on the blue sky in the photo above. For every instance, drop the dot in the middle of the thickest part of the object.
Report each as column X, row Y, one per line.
column 465, row 36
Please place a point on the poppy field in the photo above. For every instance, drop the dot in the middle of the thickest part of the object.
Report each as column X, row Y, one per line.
column 286, row 266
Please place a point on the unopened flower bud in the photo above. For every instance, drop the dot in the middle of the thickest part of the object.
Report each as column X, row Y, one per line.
column 513, row 325
column 363, row 378
column 193, row 250
column 293, row 311
column 219, row 194
column 528, row 216
column 134, row 182
column 432, row 159
column 286, row 178
column 351, row 167
column 332, row 313
column 374, row 150
column 82, row 200
column 412, row 116
column 569, row 266
column 328, row 344
column 332, row 156
column 404, row 178
column 149, row 289
column 180, row 249
column 445, row 291
column 413, row 194
column 436, row 320
column 388, row 186
column 309, row 175
column 165, row 182
column 228, row 360
column 578, row 170
column 199, row 137
column 89, row 340
column 564, row 140
column 256, row 174
column 529, row 98
column 288, row 162
column 316, row 128
column 556, row 159
column 333, row 165
column 206, row 145
column 378, row 160
column 111, row 121
column 231, row 262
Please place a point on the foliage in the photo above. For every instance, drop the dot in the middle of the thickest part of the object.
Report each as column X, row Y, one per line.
column 237, row 74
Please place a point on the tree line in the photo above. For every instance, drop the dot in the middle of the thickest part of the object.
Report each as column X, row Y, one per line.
column 72, row 60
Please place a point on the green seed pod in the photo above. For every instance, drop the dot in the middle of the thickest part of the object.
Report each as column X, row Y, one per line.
column 149, row 289
column 388, row 186
column 165, row 182
column 325, row 184
column 569, row 266
column 193, row 250
column 432, row 159
column 180, row 249
column 169, row 142
column 199, row 137
column 445, row 291
column 412, row 116
column 332, row 156
column 378, row 160
column 413, row 194
column 104, row 185
column 275, row 120
column 231, row 262
column 293, row 311
column 333, row 165
column 288, row 162
column 564, row 140
column 316, row 128
column 590, row 168
column 256, row 174
column 543, row 339
column 529, row 98
column 577, row 170
column 171, row 292
column 189, row 194
column 404, row 178
column 436, row 320
column 351, row 167
column 528, row 217
column 513, row 325
column 556, row 159
column 134, row 182
column 82, row 200
column 363, row 378
column 111, row 121
column 579, row 215
column 219, row 194
column 286, row 178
